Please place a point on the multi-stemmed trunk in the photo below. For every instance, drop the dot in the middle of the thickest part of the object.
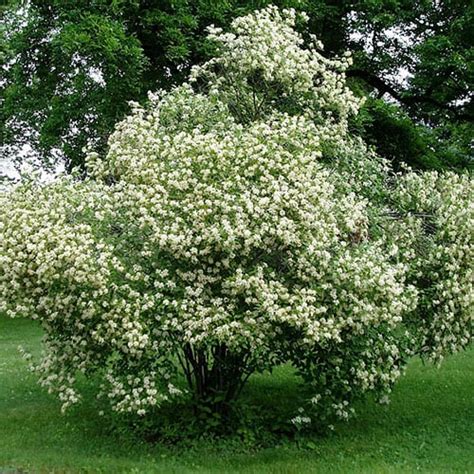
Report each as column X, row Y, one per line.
column 216, row 376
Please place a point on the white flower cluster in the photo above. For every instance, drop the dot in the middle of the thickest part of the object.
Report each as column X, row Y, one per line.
column 215, row 238
column 134, row 394
column 437, row 240
column 264, row 66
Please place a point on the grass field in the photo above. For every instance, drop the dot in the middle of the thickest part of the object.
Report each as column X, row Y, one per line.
column 428, row 427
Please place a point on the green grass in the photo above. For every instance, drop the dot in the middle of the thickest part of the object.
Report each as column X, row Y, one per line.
column 428, row 427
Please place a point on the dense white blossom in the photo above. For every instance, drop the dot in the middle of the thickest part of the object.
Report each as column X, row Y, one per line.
column 436, row 237
column 234, row 225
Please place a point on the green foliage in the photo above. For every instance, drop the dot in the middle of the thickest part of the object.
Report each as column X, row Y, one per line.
column 71, row 78
column 396, row 137
column 50, row 47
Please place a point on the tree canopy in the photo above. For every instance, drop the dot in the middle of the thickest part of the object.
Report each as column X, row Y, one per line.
column 70, row 68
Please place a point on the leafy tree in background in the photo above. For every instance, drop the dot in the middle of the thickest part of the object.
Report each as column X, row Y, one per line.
column 72, row 66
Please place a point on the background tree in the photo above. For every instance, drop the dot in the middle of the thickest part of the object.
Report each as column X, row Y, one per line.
column 72, row 66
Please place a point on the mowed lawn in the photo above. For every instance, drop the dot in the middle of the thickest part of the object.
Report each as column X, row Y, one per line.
column 428, row 427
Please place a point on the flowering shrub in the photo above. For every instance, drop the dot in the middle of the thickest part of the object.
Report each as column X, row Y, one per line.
column 235, row 225
column 437, row 241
